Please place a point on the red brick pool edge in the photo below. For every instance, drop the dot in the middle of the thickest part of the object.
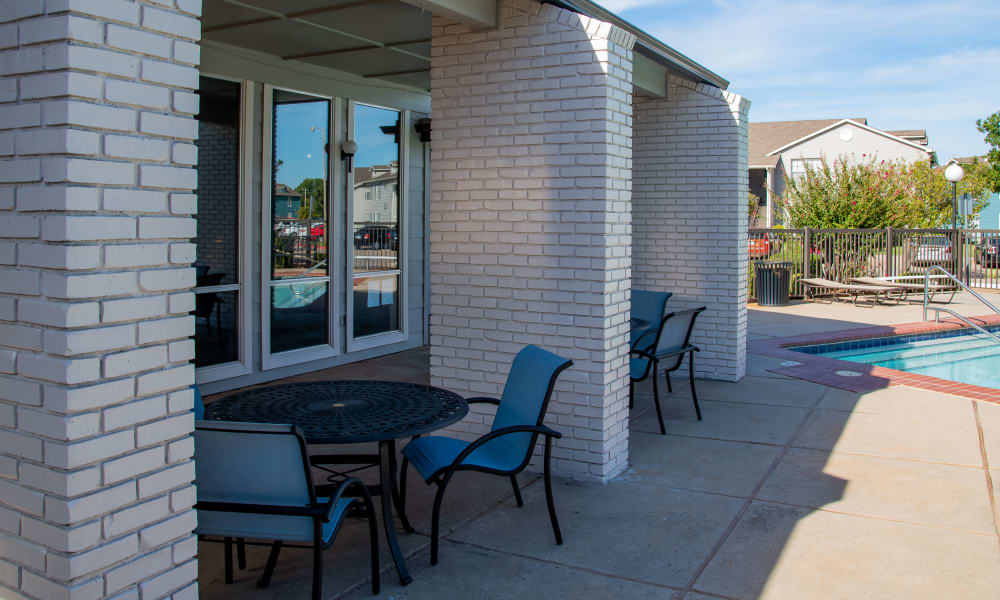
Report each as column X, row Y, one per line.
column 856, row 377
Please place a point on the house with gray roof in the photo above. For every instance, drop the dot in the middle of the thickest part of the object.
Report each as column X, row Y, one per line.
column 782, row 149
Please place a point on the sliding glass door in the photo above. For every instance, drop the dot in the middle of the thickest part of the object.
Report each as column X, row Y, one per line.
column 377, row 227
column 297, row 284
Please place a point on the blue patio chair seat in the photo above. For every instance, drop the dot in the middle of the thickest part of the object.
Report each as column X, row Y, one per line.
column 254, row 482
column 432, row 454
column 199, row 404
column 668, row 342
column 506, row 449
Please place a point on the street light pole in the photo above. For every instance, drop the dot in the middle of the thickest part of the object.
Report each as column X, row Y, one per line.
column 954, row 174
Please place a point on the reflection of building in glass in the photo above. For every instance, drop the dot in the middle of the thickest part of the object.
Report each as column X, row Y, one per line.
column 376, row 193
column 286, row 202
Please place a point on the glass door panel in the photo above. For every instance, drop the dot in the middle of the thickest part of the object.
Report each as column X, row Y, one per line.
column 300, row 219
column 376, row 221
column 217, row 285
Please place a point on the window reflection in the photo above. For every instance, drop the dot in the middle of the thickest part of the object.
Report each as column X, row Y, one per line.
column 299, row 315
column 376, row 189
column 216, row 311
column 299, row 186
column 376, row 305
column 376, row 222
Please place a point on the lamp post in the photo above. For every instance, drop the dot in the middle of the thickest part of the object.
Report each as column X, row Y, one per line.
column 954, row 173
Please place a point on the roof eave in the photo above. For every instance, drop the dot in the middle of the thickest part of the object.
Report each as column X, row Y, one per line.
column 654, row 48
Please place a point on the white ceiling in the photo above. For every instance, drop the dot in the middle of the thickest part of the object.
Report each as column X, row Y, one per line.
column 381, row 39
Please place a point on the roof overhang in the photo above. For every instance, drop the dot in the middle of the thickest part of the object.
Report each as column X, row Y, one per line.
column 926, row 149
column 671, row 60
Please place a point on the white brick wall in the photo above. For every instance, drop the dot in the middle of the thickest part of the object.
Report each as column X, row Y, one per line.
column 689, row 214
column 95, row 152
column 530, row 203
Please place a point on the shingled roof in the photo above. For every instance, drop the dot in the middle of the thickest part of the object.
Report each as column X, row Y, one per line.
column 770, row 135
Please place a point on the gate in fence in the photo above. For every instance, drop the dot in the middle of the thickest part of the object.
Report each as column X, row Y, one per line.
column 972, row 255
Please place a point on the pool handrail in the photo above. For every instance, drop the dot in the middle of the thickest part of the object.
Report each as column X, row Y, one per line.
column 937, row 309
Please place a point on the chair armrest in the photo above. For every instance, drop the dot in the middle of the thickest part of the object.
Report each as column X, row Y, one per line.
column 537, row 429
column 642, row 353
column 635, row 345
column 262, row 509
column 350, row 482
column 482, row 400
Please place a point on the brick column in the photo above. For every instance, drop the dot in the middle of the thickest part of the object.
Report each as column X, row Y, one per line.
column 689, row 214
column 96, row 169
column 530, row 210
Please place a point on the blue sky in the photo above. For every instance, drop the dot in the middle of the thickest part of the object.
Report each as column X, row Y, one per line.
column 302, row 132
column 903, row 65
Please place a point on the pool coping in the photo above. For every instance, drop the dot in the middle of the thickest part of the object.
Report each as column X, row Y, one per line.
column 868, row 378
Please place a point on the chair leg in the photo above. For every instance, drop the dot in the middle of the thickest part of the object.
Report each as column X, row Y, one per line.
column 656, row 399
column 373, row 543
column 272, row 561
column 317, row 591
column 548, row 491
column 241, row 554
column 228, row 558
column 517, row 490
column 396, row 498
column 631, row 393
column 694, row 395
column 670, row 388
column 436, row 521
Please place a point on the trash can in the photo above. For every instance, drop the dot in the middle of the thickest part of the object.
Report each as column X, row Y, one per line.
column 771, row 282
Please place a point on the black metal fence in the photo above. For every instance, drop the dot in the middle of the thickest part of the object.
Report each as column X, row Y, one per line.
column 972, row 255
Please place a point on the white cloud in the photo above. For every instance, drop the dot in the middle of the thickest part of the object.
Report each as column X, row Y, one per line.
column 902, row 63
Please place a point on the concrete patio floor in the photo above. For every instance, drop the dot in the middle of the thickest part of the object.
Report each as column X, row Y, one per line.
column 786, row 489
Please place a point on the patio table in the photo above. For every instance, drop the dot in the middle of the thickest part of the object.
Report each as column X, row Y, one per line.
column 351, row 412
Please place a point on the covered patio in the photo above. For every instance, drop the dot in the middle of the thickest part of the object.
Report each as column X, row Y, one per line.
column 785, row 488
column 233, row 192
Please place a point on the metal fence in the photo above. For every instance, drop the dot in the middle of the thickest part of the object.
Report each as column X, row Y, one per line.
column 972, row 255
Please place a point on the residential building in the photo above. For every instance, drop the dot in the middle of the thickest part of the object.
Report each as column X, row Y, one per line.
column 571, row 158
column 783, row 149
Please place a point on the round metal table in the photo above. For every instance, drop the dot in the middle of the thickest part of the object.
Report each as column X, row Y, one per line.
column 350, row 412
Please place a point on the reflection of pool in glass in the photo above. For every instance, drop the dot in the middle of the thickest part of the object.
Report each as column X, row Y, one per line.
column 297, row 295
column 965, row 355
column 376, row 305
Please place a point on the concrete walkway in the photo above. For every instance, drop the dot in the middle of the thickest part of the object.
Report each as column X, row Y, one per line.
column 786, row 489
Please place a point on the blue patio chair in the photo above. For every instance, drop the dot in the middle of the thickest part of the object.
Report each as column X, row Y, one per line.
column 199, row 403
column 506, row 449
column 254, row 482
column 669, row 342
column 648, row 306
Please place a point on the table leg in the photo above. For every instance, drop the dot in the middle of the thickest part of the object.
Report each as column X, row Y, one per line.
column 388, row 476
column 396, row 495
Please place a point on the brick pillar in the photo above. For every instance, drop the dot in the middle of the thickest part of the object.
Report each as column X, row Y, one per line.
column 96, row 172
column 530, row 210
column 689, row 214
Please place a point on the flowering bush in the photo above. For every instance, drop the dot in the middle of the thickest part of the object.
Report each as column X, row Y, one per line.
column 874, row 194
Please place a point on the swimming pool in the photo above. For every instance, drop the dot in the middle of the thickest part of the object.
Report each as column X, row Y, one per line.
column 964, row 355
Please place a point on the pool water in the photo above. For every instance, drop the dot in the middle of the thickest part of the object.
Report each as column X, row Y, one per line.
column 966, row 356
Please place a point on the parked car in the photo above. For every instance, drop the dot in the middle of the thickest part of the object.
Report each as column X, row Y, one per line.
column 932, row 250
column 762, row 246
column 988, row 252
column 376, row 237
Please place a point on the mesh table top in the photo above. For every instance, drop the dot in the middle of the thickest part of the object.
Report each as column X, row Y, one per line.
column 345, row 412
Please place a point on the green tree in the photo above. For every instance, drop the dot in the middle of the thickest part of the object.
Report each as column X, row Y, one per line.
column 990, row 126
column 311, row 189
column 875, row 194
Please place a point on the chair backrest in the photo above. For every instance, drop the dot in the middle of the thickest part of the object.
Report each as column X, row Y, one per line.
column 252, row 463
column 526, row 396
column 675, row 331
column 199, row 403
column 649, row 305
